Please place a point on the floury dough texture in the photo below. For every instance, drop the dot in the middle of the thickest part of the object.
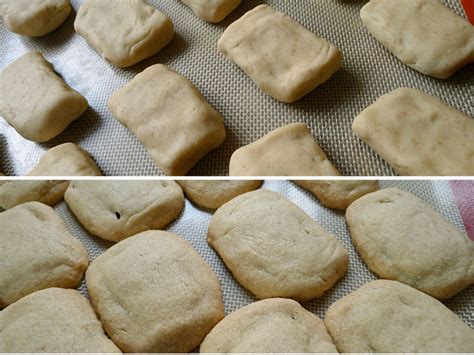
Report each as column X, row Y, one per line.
column 124, row 32
column 34, row 17
column 35, row 101
column 274, row 249
column 212, row 10
column 170, row 117
column 16, row 192
column 282, row 57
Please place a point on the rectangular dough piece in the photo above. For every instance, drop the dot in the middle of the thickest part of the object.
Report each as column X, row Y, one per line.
column 35, row 101
column 423, row 34
column 170, row 117
column 282, row 57
column 418, row 134
column 287, row 151
column 212, row 10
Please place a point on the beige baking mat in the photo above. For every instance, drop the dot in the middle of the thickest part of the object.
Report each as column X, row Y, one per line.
column 369, row 71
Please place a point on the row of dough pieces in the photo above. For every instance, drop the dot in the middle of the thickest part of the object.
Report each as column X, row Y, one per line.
column 154, row 293
column 416, row 133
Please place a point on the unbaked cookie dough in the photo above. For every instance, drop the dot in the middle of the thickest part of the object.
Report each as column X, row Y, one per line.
column 275, row 325
column 115, row 210
column 418, row 135
column 35, row 101
column 16, row 192
column 37, row 252
column 401, row 238
column 124, row 32
column 282, row 57
column 274, row 249
column 390, row 317
column 423, row 34
column 34, row 17
column 287, row 151
column 170, row 117
column 154, row 293
column 212, row 10
column 54, row 320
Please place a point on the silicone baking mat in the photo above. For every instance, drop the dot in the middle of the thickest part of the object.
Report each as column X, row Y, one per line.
column 193, row 223
column 368, row 72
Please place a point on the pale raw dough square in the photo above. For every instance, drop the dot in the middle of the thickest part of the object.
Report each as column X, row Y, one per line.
column 16, row 192
column 423, row 34
column 123, row 31
column 170, row 117
column 212, row 10
column 35, row 101
column 283, row 58
column 287, row 151
column 418, row 135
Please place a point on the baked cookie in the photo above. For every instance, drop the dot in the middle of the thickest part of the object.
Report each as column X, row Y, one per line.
column 275, row 325
column 35, row 101
column 260, row 43
column 124, row 32
column 401, row 238
column 37, row 252
column 274, row 249
column 338, row 194
column 115, row 210
column 54, row 320
column 213, row 194
column 212, row 10
column 390, row 317
column 154, row 293
column 16, row 192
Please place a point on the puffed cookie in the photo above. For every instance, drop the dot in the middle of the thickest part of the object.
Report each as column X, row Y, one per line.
column 212, row 10
column 154, row 293
column 37, row 252
column 16, row 192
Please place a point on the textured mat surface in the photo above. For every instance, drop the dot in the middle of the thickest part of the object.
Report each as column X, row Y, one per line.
column 368, row 72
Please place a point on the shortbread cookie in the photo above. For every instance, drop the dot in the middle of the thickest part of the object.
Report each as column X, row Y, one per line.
column 54, row 320
column 274, row 249
column 35, row 101
column 338, row 194
column 16, row 192
column 124, row 32
column 170, row 117
column 37, row 252
column 390, row 317
column 115, row 210
column 270, row 326
column 401, row 238
column 423, row 34
column 282, row 57
column 418, row 134
column 287, row 151
column 66, row 160
column 34, row 17
column 212, row 10
column 154, row 293
column 214, row 193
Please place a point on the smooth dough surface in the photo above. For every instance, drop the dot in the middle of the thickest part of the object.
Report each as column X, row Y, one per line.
column 54, row 320
column 66, row 159
column 37, row 252
column 274, row 249
column 390, row 317
column 423, row 34
column 16, row 192
column 401, row 238
column 213, row 194
column 154, row 293
column 35, row 101
column 171, row 118
column 124, row 32
column 338, row 194
column 275, row 325
column 287, row 151
column 115, row 210
column 212, row 10
column 34, row 17
column 260, row 43
column 418, row 135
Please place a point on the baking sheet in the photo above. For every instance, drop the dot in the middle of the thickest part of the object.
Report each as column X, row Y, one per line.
column 193, row 222
column 368, row 72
